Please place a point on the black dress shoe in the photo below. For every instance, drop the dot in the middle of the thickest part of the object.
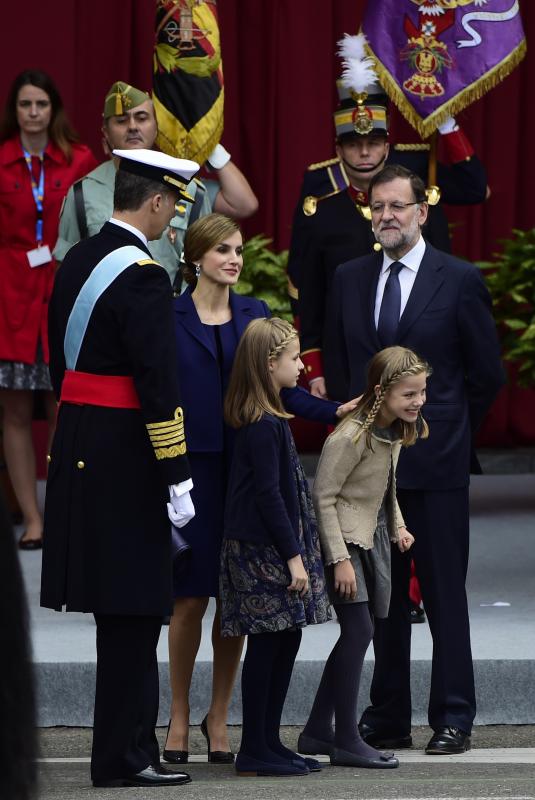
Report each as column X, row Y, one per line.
column 174, row 756
column 378, row 739
column 344, row 758
column 215, row 756
column 448, row 741
column 417, row 613
column 150, row 776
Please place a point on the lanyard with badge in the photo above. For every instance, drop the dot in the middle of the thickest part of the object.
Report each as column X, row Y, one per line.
column 40, row 254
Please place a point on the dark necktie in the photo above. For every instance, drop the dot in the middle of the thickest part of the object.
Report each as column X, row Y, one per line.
column 389, row 312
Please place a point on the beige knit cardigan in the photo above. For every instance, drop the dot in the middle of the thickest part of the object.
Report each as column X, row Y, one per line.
column 350, row 484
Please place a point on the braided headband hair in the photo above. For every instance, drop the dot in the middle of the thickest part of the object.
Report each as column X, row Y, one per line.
column 282, row 333
column 388, row 367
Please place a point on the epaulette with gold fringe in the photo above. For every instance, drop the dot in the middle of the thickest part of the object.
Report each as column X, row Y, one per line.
column 321, row 164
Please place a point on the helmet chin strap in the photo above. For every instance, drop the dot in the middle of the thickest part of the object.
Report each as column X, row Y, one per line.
column 363, row 170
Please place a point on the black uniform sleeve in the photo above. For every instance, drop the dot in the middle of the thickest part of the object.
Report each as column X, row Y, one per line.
column 149, row 339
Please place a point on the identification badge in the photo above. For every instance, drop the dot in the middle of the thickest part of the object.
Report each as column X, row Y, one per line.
column 39, row 256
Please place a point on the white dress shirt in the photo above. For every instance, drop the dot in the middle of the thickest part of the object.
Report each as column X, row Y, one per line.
column 411, row 262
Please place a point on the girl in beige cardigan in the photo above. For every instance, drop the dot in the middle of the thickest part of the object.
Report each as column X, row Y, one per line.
column 358, row 514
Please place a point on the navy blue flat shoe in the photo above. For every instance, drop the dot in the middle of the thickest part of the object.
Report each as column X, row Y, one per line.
column 247, row 767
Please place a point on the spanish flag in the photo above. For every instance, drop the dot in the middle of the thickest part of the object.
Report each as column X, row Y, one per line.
column 188, row 91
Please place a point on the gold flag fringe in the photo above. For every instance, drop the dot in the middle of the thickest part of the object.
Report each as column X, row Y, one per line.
column 426, row 126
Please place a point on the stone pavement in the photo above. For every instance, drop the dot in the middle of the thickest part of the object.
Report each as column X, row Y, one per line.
column 501, row 766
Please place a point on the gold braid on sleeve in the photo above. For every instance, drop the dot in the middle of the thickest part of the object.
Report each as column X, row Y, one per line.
column 167, row 438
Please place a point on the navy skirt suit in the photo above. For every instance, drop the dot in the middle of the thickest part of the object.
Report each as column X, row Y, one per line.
column 205, row 354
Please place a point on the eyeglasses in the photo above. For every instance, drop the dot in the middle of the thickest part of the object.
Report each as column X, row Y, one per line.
column 395, row 208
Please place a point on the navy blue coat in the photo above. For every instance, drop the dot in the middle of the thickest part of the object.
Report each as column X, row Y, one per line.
column 448, row 321
column 262, row 504
column 200, row 381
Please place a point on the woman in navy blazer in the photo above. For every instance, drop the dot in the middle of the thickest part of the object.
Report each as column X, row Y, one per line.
column 209, row 321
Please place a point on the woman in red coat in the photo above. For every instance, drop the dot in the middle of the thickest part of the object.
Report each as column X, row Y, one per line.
column 40, row 158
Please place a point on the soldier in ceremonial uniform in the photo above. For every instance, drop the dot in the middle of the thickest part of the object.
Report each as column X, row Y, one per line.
column 129, row 122
column 332, row 222
column 118, row 469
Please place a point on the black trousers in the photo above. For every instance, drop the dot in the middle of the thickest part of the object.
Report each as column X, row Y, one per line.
column 440, row 524
column 127, row 695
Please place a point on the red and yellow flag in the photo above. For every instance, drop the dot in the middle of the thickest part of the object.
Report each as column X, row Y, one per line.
column 188, row 91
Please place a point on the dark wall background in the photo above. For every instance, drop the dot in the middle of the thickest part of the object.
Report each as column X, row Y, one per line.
column 280, row 71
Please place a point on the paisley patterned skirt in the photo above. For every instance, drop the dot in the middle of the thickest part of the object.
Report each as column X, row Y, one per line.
column 254, row 578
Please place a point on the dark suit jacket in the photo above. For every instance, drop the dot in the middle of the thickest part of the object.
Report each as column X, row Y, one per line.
column 447, row 321
column 200, row 381
column 262, row 504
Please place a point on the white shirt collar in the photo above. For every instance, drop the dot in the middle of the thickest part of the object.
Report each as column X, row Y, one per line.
column 130, row 228
column 412, row 259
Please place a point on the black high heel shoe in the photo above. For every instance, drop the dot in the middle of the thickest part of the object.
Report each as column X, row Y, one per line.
column 217, row 756
column 174, row 756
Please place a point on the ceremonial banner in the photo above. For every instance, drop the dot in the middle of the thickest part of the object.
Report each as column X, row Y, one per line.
column 187, row 84
column 435, row 57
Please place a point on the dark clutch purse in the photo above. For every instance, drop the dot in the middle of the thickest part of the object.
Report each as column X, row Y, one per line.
column 180, row 550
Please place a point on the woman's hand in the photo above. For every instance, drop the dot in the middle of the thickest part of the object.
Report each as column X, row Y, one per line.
column 299, row 576
column 406, row 539
column 345, row 580
column 347, row 408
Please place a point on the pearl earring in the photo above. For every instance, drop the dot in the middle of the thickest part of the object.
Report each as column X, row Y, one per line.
column 197, row 270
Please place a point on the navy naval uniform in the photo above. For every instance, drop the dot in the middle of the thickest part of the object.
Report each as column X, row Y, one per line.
column 119, row 444
column 338, row 231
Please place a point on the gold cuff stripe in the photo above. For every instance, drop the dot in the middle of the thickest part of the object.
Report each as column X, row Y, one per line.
column 179, row 417
column 166, row 440
column 170, row 452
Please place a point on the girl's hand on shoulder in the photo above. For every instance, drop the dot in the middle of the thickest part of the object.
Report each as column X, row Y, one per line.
column 347, row 408
column 345, row 580
column 406, row 540
column 299, row 576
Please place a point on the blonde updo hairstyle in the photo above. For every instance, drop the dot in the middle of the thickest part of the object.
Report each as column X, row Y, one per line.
column 388, row 367
column 251, row 392
column 201, row 236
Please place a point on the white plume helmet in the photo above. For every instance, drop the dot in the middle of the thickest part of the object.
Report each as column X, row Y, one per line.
column 359, row 73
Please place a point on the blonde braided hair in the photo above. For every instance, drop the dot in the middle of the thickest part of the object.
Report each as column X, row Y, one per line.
column 388, row 367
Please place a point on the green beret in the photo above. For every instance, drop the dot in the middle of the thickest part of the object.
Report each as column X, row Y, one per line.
column 121, row 98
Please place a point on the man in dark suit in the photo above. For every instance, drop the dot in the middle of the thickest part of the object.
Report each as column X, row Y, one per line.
column 436, row 304
column 118, row 467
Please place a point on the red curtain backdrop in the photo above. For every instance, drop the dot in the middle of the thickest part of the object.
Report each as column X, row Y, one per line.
column 280, row 71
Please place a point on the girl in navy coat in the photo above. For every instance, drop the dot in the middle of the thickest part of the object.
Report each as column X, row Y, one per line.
column 272, row 582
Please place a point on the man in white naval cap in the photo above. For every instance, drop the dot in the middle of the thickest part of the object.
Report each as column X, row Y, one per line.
column 118, row 469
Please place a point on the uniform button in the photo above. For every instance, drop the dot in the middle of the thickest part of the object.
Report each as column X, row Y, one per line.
column 80, row 464
column 48, row 458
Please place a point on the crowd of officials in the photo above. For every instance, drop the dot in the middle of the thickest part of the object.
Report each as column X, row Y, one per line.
column 175, row 394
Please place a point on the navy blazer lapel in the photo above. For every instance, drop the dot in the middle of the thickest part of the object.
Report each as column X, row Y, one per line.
column 190, row 320
column 428, row 280
column 242, row 312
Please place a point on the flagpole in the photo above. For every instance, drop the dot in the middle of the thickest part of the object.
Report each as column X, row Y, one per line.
column 433, row 191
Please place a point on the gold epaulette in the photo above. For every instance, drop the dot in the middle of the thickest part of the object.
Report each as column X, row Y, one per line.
column 167, row 438
column 321, row 164
column 417, row 146
column 142, row 262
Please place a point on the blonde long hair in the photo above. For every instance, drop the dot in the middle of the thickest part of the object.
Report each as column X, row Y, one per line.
column 251, row 392
column 388, row 367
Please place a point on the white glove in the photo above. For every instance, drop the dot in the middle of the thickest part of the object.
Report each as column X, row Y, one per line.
column 219, row 157
column 180, row 510
column 448, row 126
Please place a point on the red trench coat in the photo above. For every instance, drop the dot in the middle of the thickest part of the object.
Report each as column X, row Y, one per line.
column 25, row 291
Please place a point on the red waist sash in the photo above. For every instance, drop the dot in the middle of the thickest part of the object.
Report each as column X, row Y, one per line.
column 111, row 391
